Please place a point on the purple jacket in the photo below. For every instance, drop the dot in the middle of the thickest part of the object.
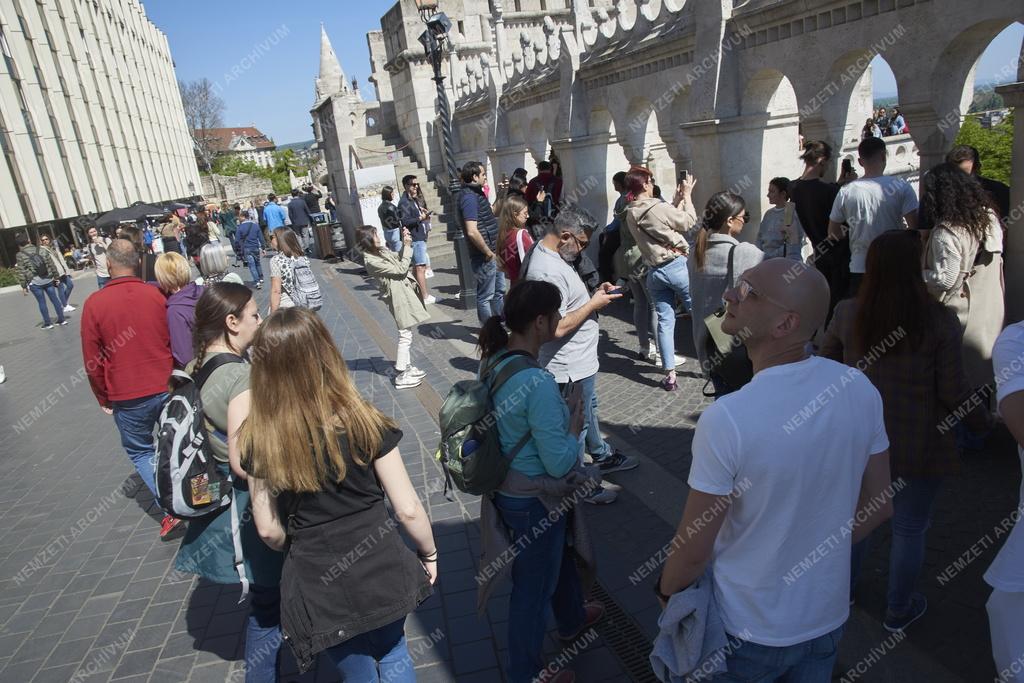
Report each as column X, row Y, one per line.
column 181, row 316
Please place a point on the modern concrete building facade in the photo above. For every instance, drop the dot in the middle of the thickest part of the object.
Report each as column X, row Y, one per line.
column 90, row 114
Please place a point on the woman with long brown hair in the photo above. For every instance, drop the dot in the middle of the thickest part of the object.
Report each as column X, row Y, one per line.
column 282, row 267
column 226, row 320
column 321, row 460
column 908, row 345
column 514, row 239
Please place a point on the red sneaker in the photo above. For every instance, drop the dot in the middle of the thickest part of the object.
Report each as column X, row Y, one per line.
column 594, row 612
column 168, row 524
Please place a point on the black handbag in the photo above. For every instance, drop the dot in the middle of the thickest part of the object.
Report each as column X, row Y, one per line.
column 726, row 354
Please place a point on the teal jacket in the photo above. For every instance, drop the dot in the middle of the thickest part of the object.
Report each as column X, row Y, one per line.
column 530, row 402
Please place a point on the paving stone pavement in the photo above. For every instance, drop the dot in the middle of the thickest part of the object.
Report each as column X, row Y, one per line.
column 88, row 592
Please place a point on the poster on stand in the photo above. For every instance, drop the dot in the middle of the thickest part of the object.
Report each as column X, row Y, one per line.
column 369, row 183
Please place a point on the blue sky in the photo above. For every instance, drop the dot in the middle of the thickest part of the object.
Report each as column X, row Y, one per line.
column 212, row 37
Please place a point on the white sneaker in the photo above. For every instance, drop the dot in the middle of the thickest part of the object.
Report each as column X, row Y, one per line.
column 415, row 372
column 431, row 299
column 3, row 375
column 48, row 327
column 69, row 308
column 407, row 381
column 655, row 357
column 429, row 274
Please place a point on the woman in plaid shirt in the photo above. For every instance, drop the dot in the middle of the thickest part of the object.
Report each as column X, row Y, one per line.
column 908, row 345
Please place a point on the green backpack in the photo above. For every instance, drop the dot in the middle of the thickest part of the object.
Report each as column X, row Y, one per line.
column 470, row 451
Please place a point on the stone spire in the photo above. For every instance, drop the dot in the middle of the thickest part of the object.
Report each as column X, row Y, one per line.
column 331, row 79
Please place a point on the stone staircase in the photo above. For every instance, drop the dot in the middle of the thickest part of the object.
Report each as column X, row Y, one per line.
column 376, row 150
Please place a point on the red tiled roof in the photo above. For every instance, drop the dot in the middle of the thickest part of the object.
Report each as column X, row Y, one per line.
column 220, row 138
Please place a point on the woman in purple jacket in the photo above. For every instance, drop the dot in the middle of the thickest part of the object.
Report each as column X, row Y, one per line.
column 174, row 275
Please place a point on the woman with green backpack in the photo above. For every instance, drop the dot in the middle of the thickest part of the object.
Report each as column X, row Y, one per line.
column 533, row 509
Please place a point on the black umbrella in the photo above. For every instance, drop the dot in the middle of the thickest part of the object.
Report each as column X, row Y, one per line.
column 130, row 215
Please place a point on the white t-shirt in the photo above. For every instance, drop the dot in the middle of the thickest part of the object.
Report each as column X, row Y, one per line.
column 870, row 206
column 791, row 447
column 1007, row 570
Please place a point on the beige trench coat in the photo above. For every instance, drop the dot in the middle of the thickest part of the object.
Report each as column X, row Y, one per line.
column 398, row 289
column 968, row 278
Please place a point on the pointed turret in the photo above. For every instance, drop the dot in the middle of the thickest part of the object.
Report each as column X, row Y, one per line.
column 331, row 79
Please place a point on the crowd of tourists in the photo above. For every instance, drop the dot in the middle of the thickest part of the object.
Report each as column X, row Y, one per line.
column 849, row 299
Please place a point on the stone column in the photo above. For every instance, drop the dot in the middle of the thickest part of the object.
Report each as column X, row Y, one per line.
column 1013, row 96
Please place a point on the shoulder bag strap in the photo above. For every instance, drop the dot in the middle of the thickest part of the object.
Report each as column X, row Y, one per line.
column 729, row 271
column 519, row 244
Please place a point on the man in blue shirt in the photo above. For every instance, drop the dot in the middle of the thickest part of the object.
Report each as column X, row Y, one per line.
column 273, row 214
column 481, row 228
column 251, row 243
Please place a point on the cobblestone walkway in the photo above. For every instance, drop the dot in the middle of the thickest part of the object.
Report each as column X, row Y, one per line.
column 88, row 591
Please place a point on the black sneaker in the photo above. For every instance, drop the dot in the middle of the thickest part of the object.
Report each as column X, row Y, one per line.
column 918, row 606
column 616, row 462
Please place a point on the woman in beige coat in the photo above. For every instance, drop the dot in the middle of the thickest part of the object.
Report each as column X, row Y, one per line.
column 399, row 290
column 964, row 262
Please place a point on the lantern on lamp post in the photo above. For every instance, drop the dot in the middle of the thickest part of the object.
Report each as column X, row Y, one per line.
column 436, row 42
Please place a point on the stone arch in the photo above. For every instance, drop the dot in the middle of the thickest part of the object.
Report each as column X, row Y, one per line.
column 952, row 82
column 537, row 140
column 768, row 134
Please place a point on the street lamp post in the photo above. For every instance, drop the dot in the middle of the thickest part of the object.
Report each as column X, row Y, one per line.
column 434, row 40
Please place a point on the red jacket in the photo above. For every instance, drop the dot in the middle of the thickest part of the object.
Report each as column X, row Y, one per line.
column 125, row 344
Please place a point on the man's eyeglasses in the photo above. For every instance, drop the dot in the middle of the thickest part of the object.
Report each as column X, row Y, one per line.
column 744, row 290
column 582, row 244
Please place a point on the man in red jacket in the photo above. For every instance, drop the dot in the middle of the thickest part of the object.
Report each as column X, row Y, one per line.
column 127, row 352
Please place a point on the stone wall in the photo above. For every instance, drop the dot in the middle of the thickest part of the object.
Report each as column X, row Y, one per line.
column 236, row 189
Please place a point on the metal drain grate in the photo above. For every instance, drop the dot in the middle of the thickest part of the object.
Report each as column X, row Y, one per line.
column 624, row 637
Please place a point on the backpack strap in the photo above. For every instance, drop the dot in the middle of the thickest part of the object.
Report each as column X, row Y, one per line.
column 519, row 244
column 524, row 265
column 236, row 542
column 212, row 363
column 521, row 360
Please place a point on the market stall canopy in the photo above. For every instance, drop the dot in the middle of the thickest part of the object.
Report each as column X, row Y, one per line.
column 130, row 214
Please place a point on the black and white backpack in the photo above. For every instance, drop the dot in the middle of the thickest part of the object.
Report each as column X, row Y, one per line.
column 189, row 484
column 305, row 291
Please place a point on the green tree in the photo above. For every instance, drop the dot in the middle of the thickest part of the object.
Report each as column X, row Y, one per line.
column 994, row 145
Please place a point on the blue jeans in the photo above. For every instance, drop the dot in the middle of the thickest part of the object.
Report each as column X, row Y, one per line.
column 664, row 283
column 393, row 239
column 102, row 281
column 136, row 420
column 597, row 447
column 808, row 662
column 490, row 289
column 543, row 577
column 911, row 516
column 357, row 658
column 64, row 287
column 252, row 259
column 644, row 318
column 48, row 291
column 419, row 253
column 263, row 634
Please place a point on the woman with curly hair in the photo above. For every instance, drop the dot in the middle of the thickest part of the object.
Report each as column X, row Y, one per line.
column 964, row 262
